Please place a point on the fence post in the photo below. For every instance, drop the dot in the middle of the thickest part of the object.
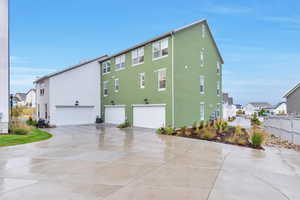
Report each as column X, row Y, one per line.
column 292, row 130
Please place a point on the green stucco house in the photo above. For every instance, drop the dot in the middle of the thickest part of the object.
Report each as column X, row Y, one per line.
column 174, row 79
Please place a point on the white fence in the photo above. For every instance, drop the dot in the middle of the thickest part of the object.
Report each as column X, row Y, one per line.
column 285, row 127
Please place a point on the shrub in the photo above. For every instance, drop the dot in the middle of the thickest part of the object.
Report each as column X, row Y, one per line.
column 169, row 130
column 209, row 133
column 257, row 139
column 220, row 125
column 31, row 122
column 255, row 120
column 160, row 130
column 183, row 130
column 124, row 125
column 20, row 131
column 238, row 131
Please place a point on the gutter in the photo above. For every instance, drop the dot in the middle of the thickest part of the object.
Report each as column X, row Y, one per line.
column 173, row 97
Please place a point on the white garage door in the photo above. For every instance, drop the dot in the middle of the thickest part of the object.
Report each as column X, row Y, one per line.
column 149, row 115
column 114, row 114
column 73, row 115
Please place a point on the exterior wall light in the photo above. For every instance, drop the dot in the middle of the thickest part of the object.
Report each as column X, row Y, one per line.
column 146, row 101
column 76, row 103
column 112, row 102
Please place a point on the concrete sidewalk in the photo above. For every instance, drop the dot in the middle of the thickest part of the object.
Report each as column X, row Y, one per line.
column 103, row 162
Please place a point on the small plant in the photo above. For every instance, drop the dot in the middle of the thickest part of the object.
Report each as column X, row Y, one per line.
column 31, row 122
column 221, row 125
column 169, row 130
column 255, row 120
column 160, row 130
column 124, row 125
column 183, row 130
column 257, row 139
column 238, row 131
column 20, row 131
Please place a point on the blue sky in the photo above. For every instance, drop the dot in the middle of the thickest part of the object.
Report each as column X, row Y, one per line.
column 259, row 40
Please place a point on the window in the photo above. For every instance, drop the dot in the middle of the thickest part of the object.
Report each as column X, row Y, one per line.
column 138, row 56
column 142, row 80
column 162, row 79
column 203, row 30
column 105, row 88
column 202, row 111
column 218, row 88
column 117, row 85
column 39, row 115
column 202, row 58
column 120, row 62
column 106, row 67
column 202, row 86
column 160, row 49
column 218, row 111
column 46, row 111
column 218, row 67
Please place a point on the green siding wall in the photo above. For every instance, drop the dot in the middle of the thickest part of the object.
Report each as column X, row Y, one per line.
column 188, row 44
column 130, row 91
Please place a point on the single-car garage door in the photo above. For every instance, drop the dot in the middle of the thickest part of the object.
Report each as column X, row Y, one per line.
column 114, row 114
column 149, row 115
column 73, row 115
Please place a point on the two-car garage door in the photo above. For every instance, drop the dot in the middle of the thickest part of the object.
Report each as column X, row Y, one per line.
column 144, row 115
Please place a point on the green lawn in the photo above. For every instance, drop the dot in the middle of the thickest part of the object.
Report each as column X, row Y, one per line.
column 36, row 135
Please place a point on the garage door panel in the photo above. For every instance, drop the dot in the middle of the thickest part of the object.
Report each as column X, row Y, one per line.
column 149, row 116
column 73, row 116
column 114, row 115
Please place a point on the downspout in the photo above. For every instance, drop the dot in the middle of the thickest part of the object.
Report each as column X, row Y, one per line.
column 173, row 98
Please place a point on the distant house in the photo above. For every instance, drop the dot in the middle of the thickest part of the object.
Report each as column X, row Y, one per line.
column 255, row 107
column 30, row 99
column 229, row 109
column 293, row 100
column 20, row 99
column 280, row 108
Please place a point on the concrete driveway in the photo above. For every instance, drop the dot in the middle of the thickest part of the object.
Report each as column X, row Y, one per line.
column 90, row 162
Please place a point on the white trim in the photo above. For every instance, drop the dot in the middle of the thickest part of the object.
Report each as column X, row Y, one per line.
column 115, row 106
column 202, row 103
column 148, row 105
column 153, row 59
column 140, row 80
column 158, row 85
column 116, row 79
column 173, row 90
column 160, row 42
column 202, row 77
column 134, row 65
column 105, row 82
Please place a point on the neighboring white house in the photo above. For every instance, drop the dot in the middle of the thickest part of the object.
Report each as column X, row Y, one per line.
column 280, row 109
column 71, row 96
column 229, row 109
column 255, row 107
column 30, row 100
column 4, row 67
column 20, row 99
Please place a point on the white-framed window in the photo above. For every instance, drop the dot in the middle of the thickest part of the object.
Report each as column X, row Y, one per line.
column 160, row 49
column 162, row 79
column 117, row 85
column 218, row 67
column 203, row 30
column 120, row 62
column 218, row 110
column 42, row 92
column 218, row 88
column 138, row 56
column 202, row 111
column 202, row 85
column 142, row 80
column 106, row 67
column 105, row 88
column 202, row 58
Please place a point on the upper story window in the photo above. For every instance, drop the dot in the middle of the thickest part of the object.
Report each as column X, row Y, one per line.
column 160, row 49
column 202, row 58
column 142, row 80
column 218, row 110
column 218, row 88
column 42, row 92
column 106, row 67
column 203, row 30
column 120, row 62
column 202, row 85
column 138, row 56
column 218, row 67
column 162, row 79
column 117, row 85
column 105, row 88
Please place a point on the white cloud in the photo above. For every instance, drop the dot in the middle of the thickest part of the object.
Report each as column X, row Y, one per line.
column 283, row 19
column 228, row 9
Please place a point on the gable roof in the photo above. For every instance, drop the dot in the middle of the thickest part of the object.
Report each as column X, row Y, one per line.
column 277, row 105
column 261, row 104
column 70, row 68
column 291, row 91
column 32, row 89
column 20, row 96
column 169, row 34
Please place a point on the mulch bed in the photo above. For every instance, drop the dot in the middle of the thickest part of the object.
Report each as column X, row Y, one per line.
column 277, row 142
